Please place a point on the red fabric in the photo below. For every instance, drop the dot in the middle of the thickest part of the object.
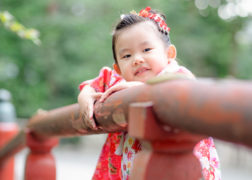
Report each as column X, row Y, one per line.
column 106, row 79
column 109, row 164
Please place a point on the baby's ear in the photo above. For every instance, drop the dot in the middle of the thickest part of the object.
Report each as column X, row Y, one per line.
column 171, row 52
column 117, row 69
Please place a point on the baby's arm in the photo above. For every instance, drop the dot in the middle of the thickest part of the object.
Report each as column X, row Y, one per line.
column 120, row 86
column 91, row 90
column 86, row 100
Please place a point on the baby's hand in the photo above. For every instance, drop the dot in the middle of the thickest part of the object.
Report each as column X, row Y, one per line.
column 86, row 101
column 118, row 87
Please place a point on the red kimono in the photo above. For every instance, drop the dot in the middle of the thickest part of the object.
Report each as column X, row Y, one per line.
column 118, row 152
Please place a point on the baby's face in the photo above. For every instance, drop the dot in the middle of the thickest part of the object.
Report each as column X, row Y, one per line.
column 140, row 52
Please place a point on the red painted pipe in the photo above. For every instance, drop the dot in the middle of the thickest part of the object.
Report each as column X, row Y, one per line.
column 221, row 109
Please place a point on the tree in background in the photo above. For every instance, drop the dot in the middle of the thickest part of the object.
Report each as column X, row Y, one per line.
column 212, row 38
column 8, row 21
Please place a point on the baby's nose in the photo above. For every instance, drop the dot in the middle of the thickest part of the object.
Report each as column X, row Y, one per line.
column 138, row 60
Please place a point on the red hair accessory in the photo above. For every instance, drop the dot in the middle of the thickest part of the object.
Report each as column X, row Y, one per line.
column 156, row 17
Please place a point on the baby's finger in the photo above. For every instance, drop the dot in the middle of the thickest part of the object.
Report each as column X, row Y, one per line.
column 92, row 124
column 87, row 116
column 90, row 113
column 111, row 91
column 105, row 95
column 91, row 120
column 97, row 95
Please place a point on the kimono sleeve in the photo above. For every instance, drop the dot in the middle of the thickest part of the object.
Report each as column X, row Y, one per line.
column 105, row 80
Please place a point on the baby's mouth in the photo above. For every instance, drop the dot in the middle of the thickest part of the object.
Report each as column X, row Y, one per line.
column 141, row 70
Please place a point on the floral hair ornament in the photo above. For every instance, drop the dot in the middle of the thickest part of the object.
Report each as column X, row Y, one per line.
column 146, row 13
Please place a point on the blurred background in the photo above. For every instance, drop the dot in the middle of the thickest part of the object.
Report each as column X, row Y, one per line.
column 213, row 39
column 71, row 41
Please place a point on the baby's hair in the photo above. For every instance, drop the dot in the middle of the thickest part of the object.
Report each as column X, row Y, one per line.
column 128, row 20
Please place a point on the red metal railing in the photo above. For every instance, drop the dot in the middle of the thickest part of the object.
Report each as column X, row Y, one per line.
column 221, row 109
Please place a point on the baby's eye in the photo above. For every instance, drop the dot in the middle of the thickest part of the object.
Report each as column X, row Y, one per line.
column 126, row 56
column 147, row 49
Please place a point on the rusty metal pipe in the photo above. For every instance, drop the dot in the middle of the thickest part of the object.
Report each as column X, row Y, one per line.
column 62, row 122
column 221, row 109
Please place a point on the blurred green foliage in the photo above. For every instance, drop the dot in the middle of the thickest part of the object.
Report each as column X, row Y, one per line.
column 76, row 43
column 9, row 22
